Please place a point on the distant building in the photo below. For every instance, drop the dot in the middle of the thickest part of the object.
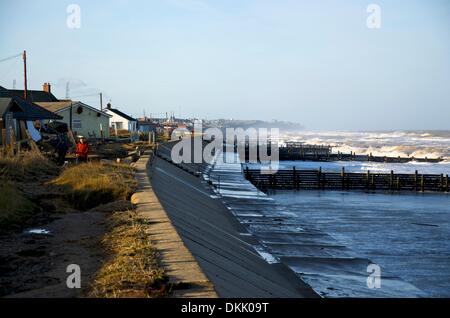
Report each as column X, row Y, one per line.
column 120, row 120
column 81, row 118
column 146, row 125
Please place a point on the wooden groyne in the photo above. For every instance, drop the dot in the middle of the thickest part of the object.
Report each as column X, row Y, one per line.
column 295, row 179
column 293, row 152
column 298, row 155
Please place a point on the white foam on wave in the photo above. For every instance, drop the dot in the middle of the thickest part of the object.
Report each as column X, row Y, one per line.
column 393, row 144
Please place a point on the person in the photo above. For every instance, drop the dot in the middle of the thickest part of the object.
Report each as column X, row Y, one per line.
column 61, row 148
column 82, row 150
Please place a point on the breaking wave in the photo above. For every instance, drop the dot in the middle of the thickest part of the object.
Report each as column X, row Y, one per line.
column 405, row 144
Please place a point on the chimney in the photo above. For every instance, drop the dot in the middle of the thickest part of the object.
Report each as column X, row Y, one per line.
column 46, row 88
column 108, row 105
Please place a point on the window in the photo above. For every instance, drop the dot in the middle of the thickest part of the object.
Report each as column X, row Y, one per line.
column 76, row 123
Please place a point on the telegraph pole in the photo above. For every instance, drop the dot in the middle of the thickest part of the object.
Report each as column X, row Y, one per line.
column 70, row 117
column 67, row 89
column 25, row 74
column 101, row 102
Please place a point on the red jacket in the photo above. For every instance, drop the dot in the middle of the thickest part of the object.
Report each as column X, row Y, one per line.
column 82, row 150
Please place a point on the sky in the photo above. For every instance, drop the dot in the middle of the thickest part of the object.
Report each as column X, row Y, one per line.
column 312, row 62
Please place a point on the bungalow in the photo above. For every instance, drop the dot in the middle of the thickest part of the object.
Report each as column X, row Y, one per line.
column 81, row 118
column 17, row 116
column 120, row 120
column 149, row 129
column 146, row 125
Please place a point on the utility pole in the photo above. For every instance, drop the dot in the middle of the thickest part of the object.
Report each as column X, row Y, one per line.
column 25, row 74
column 101, row 102
column 67, row 90
column 70, row 117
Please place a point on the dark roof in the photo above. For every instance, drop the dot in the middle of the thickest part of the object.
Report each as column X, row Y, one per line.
column 6, row 105
column 32, row 96
column 118, row 112
column 4, row 92
column 24, row 110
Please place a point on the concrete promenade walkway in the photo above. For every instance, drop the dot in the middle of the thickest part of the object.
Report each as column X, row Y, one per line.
column 180, row 266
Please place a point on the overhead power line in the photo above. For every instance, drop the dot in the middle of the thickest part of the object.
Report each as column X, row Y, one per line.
column 88, row 95
column 10, row 58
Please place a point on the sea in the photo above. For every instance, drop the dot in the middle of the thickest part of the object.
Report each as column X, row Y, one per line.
column 352, row 243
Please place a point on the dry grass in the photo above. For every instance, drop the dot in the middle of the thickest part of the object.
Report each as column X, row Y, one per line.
column 28, row 165
column 117, row 149
column 121, row 133
column 133, row 269
column 114, row 150
column 15, row 209
column 88, row 185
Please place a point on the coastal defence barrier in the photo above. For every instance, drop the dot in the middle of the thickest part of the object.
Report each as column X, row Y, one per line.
column 304, row 152
column 163, row 151
column 295, row 154
column 295, row 179
column 292, row 152
column 231, row 257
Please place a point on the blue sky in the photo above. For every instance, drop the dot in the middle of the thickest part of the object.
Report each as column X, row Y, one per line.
column 312, row 62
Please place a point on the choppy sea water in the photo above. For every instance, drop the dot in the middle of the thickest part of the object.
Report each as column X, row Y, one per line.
column 431, row 144
column 330, row 237
column 406, row 234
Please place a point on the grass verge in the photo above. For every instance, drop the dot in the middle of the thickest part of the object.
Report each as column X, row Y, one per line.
column 132, row 270
column 88, row 185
